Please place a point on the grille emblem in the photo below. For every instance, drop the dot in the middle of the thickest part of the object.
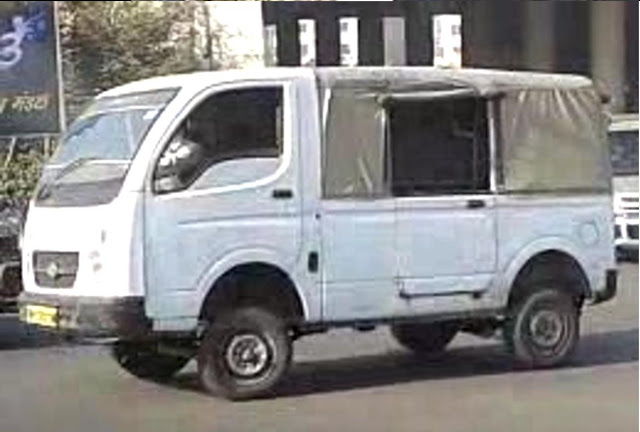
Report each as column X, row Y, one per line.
column 53, row 271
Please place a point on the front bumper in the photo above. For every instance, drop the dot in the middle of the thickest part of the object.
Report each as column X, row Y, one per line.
column 90, row 316
column 610, row 288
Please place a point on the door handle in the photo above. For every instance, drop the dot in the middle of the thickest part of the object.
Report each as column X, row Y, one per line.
column 312, row 262
column 476, row 203
column 282, row 194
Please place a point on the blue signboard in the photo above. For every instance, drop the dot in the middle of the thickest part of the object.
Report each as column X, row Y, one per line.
column 29, row 72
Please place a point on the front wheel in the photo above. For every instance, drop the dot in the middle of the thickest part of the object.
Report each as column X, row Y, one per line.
column 244, row 354
column 143, row 360
column 543, row 329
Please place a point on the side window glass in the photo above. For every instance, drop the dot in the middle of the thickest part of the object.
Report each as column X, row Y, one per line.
column 438, row 146
column 232, row 137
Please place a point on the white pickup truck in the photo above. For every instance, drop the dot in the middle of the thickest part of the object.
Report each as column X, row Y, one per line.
column 223, row 215
column 623, row 136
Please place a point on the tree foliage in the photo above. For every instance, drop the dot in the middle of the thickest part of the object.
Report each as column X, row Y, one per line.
column 18, row 177
column 105, row 44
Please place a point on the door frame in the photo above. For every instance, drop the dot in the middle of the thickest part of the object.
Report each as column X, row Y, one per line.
column 290, row 153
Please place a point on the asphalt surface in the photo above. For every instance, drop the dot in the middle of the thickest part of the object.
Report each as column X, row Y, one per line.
column 340, row 381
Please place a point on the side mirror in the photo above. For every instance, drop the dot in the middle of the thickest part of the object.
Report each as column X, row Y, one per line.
column 177, row 165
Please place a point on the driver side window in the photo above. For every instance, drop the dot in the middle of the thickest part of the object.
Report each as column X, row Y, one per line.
column 230, row 138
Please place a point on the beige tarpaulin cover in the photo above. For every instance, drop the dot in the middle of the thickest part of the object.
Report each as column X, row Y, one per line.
column 485, row 82
column 354, row 146
column 552, row 133
column 554, row 140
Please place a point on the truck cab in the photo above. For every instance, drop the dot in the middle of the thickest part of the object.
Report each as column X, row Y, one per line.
column 222, row 215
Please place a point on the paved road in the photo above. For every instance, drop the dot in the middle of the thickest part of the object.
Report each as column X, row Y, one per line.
column 341, row 381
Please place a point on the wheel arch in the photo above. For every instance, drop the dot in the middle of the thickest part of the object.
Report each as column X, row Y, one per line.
column 237, row 285
column 563, row 258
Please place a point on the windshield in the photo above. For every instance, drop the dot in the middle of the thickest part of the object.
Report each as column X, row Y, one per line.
column 111, row 129
column 92, row 160
column 109, row 136
column 624, row 152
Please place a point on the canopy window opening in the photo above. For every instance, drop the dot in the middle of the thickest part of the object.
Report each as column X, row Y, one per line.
column 438, row 146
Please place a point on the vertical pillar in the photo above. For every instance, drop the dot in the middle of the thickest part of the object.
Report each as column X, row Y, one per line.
column 608, row 48
column 394, row 41
column 270, row 40
column 538, row 35
column 349, row 37
column 308, row 42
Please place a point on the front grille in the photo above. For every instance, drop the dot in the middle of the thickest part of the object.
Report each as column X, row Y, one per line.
column 627, row 204
column 632, row 201
column 633, row 232
column 55, row 269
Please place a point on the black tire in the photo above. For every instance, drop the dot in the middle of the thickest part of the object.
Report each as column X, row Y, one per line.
column 244, row 354
column 142, row 359
column 425, row 338
column 538, row 342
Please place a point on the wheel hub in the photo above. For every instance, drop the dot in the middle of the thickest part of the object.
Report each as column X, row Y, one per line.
column 247, row 355
column 546, row 328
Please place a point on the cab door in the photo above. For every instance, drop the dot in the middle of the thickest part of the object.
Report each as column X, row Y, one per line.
column 226, row 185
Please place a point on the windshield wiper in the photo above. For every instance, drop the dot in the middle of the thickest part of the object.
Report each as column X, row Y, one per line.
column 45, row 190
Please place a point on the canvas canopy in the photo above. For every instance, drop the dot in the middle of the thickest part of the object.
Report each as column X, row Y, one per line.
column 551, row 130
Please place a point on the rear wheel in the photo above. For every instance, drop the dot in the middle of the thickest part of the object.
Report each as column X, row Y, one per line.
column 425, row 338
column 143, row 360
column 542, row 330
column 244, row 354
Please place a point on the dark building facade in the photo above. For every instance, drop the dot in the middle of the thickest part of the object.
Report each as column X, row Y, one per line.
column 598, row 39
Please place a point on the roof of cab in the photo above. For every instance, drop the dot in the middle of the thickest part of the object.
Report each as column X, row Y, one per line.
column 199, row 80
column 484, row 81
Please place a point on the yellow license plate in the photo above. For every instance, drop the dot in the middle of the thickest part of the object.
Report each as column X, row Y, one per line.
column 41, row 315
